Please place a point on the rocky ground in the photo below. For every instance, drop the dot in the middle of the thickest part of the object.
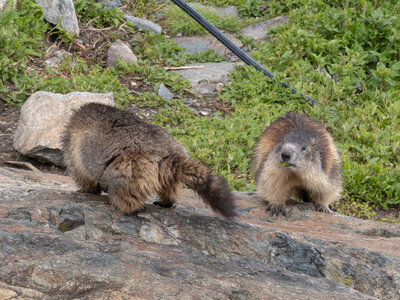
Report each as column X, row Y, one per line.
column 56, row 243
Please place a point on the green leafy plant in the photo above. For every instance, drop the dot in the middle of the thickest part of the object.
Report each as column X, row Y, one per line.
column 21, row 35
column 161, row 50
column 96, row 13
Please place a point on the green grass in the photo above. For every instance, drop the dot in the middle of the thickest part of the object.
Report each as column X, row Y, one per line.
column 178, row 22
column 21, row 36
column 256, row 8
column 358, row 42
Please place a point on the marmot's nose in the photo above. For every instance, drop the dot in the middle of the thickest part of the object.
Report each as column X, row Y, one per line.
column 285, row 156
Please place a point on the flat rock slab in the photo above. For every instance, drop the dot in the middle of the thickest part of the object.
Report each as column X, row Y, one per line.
column 259, row 31
column 143, row 24
column 224, row 11
column 196, row 44
column 204, row 80
column 57, row 243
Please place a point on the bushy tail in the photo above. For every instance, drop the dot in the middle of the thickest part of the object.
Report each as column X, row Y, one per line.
column 212, row 188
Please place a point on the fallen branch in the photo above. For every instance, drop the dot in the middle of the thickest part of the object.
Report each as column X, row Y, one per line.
column 21, row 164
column 183, row 68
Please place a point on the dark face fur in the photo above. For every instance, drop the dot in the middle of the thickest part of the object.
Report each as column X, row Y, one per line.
column 299, row 151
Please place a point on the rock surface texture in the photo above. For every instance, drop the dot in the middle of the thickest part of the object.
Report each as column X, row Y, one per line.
column 205, row 79
column 57, row 243
column 62, row 11
column 259, row 31
column 196, row 44
column 120, row 50
column 42, row 120
column 143, row 24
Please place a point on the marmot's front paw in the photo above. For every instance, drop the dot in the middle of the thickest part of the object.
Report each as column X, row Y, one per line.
column 276, row 210
column 319, row 207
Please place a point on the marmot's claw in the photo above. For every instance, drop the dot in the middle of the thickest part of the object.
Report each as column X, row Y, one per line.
column 276, row 210
column 163, row 204
column 319, row 207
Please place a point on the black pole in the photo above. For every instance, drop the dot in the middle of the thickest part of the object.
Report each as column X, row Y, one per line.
column 231, row 46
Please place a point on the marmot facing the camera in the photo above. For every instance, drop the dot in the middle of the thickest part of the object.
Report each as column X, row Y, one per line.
column 110, row 150
column 297, row 155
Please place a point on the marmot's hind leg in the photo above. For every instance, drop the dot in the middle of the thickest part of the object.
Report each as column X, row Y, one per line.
column 87, row 185
column 129, row 180
column 168, row 194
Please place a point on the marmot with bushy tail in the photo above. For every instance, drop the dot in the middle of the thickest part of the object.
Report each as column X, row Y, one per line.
column 296, row 155
column 111, row 150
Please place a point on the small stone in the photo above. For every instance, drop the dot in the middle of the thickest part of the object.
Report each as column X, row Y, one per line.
column 204, row 113
column 57, row 59
column 143, row 24
column 164, row 92
column 194, row 110
column 112, row 3
column 120, row 50
column 259, row 31
column 219, row 86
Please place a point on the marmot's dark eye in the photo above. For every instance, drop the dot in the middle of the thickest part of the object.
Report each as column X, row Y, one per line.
column 304, row 148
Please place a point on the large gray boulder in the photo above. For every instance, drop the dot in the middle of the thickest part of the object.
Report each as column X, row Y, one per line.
column 56, row 243
column 42, row 120
column 60, row 11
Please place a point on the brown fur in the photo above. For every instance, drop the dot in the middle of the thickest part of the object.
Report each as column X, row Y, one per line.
column 314, row 172
column 106, row 149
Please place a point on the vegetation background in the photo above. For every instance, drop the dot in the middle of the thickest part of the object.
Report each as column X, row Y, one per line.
column 356, row 42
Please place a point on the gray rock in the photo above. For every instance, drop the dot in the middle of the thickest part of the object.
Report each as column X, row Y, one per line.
column 54, row 241
column 57, row 58
column 63, row 11
column 143, row 24
column 42, row 119
column 224, row 11
column 193, row 110
column 259, row 31
column 205, row 80
column 204, row 113
column 120, row 50
column 324, row 71
column 164, row 92
column 112, row 3
column 193, row 44
column 197, row 44
column 4, row 2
